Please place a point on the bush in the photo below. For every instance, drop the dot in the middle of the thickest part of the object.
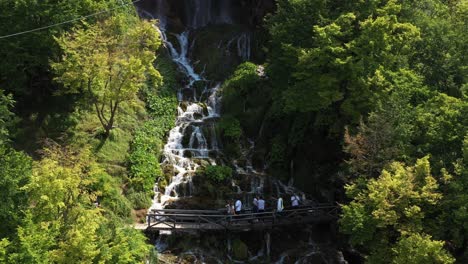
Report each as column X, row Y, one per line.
column 218, row 173
column 110, row 196
column 139, row 200
column 231, row 128
column 244, row 78
column 144, row 159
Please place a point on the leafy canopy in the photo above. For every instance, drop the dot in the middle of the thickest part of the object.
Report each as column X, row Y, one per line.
column 108, row 63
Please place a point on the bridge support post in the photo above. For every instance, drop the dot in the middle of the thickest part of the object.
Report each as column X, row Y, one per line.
column 267, row 243
column 228, row 243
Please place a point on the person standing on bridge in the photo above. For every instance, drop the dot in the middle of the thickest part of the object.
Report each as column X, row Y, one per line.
column 261, row 205
column 295, row 200
column 279, row 205
column 238, row 206
column 255, row 205
column 230, row 208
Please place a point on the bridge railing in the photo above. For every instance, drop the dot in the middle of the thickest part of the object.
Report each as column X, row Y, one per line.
column 170, row 219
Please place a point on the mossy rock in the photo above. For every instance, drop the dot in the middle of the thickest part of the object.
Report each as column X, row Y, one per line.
column 215, row 46
column 188, row 154
column 162, row 184
column 168, row 171
column 197, row 116
column 239, row 250
column 202, row 163
column 205, row 108
column 184, row 105
column 187, row 259
column 187, row 134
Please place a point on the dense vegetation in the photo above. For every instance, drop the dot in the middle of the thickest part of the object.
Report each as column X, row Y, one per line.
column 360, row 102
column 371, row 95
column 83, row 112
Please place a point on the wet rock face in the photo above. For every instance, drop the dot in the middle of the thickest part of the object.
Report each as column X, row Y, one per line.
column 196, row 14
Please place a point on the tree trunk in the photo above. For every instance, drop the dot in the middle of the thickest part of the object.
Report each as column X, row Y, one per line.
column 110, row 123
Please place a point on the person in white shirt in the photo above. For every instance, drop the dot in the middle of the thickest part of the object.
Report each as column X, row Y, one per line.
column 261, row 205
column 255, row 204
column 279, row 205
column 238, row 206
column 295, row 200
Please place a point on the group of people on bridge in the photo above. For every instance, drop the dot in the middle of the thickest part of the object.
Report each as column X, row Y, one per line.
column 258, row 205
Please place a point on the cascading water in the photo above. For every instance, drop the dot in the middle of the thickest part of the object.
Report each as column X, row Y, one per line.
column 195, row 117
column 194, row 136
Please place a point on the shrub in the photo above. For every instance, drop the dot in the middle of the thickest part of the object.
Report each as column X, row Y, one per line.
column 218, row 173
column 139, row 200
column 231, row 128
column 144, row 160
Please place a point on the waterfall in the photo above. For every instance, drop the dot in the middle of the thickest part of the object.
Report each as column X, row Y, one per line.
column 199, row 13
column 161, row 7
column 243, row 46
column 193, row 139
column 194, row 115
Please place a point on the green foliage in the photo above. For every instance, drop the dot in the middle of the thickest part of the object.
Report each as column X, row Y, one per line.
column 3, row 250
column 439, row 57
column 64, row 225
column 105, row 63
column 109, row 195
column 392, row 206
column 454, row 211
column 218, row 173
column 144, row 158
column 6, row 116
column 389, row 131
column 244, row 78
column 443, row 125
column 231, row 128
column 231, row 133
column 15, row 171
column 145, row 151
column 246, row 83
column 329, row 69
column 25, row 64
column 139, row 200
column 277, row 157
column 416, row 248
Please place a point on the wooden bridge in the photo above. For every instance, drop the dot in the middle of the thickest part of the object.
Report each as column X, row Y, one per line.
column 199, row 220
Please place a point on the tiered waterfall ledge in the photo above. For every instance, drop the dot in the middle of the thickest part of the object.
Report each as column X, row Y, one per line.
column 211, row 220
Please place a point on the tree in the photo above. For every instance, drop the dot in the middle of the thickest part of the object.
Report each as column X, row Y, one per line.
column 388, row 132
column 63, row 224
column 333, row 68
column 15, row 173
column 442, row 125
column 453, row 214
column 24, row 68
column 108, row 63
column 439, row 56
column 390, row 208
column 416, row 249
